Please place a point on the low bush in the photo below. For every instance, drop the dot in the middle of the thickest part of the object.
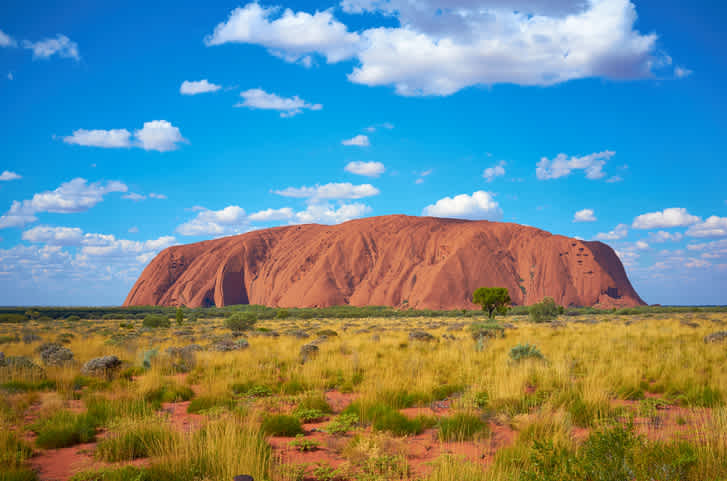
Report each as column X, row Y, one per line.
column 241, row 321
column 343, row 423
column 155, row 321
column 545, row 310
column 525, row 351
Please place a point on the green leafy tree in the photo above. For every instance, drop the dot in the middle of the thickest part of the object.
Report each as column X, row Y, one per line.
column 492, row 299
column 180, row 316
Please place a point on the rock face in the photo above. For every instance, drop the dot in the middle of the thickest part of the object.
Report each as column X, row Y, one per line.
column 400, row 261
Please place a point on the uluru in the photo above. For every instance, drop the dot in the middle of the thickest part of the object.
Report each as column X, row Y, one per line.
column 400, row 261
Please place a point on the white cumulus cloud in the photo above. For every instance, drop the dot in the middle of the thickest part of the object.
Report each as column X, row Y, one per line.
column 73, row 196
column 272, row 215
column 479, row 205
column 230, row 220
column 562, row 165
column 367, row 169
column 331, row 191
column 195, row 87
column 8, row 175
column 439, row 48
column 713, row 226
column 327, row 214
column 671, row 217
column 114, row 138
column 664, row 236
column 288, row 107
column 585, row 215
column 618, row 232
column 159, row 135
column 293, row 36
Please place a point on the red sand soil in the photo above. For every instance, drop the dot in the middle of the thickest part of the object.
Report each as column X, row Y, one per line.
column 419, row 262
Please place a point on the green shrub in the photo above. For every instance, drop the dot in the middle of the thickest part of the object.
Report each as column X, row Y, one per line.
column 383, row 417
column 241, row 321
column 281, row 425
column 18, row 474
column 27, row 386
column 545, row 310
column 316, row 402
column 481, row 399
column 327, row 333
column 461, row 427
column 343, row 423
column 127, row 473
column 491, row 330
column 304, row 445
column 309, row 415
column 73, row 318
column 12, row 318
column 64, row 429
column 444, row 391
column 282, row 314
column 525, row 351
column 155, row 321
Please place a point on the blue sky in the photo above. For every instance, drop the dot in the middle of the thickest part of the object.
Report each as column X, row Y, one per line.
column 128, row 129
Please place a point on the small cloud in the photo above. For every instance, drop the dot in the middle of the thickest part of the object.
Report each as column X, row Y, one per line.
column 331, row 191
column 10, row 76
column 479, row 205
column 562, row 165
column 671, row 217
column 8, row 175
column 359, row 141
column 681, row 72
column 133, row 196
column 154, row 195
column 6, row 40
column 159, row 135
column 618, row 232
column 585, row 215
column 198, row 87
column 288, row 107
column 615, row 178
column 368, row 169
column 491, row 173
column 423, row 174
column 133, row 229
column 61, row 46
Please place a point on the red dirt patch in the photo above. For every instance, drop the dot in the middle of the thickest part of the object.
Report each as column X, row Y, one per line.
column 180, row 418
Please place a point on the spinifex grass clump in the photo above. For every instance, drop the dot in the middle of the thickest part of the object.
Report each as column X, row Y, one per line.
column 461, row 427
column 281, row 425
column 64, row 429
column 385, row 418
column 133, row 439
column 525, row 351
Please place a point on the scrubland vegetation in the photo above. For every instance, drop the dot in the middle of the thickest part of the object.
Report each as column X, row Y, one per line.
column 287, row 395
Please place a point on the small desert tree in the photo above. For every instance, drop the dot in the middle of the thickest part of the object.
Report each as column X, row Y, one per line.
column 180, row 316
column 240, row 321
column 492, row 299
column 545, row 310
